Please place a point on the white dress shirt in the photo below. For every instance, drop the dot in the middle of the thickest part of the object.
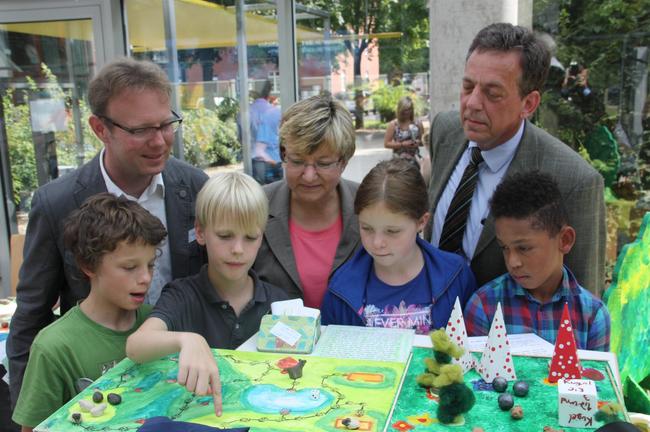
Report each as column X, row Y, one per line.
column 152, row 199
column 490, row 174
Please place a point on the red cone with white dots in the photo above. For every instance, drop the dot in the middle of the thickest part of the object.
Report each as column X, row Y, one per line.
column 565, row 363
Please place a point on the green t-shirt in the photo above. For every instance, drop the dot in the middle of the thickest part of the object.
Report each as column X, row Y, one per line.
column 70, row 348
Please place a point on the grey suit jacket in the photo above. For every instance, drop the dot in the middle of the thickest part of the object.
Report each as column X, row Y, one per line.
column 275, row 262
column 581, row 187
column 49, row 271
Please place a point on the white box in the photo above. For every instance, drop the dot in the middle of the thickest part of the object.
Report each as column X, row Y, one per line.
column 577, row 403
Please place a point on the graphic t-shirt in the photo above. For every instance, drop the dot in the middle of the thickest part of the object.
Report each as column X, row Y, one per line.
column 405, row 306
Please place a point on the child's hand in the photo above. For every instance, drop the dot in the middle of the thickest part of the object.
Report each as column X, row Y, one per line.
column 197, row 369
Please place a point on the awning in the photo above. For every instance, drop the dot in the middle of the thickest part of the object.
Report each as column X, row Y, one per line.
column 199, row 25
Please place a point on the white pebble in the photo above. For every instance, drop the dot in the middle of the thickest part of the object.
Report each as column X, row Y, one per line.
column 98, row 410
column 86, row 405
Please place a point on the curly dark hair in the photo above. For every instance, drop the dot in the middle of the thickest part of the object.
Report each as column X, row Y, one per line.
column 102, row 222
column 535, row 59
column 533, row 195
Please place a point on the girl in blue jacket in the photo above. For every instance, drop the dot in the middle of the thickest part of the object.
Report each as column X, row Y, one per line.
column 396, row 280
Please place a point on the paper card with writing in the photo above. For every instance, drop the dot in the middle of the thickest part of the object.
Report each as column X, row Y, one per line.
column 496, row 360
column 458, row 335
column 577, row 403
column 285, row 333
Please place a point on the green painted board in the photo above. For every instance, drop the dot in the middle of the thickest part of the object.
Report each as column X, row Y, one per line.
column 415, row 409
column 255, row 393
column 628, row 302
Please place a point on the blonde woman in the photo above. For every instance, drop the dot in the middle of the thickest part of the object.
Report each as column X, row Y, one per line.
column 312, row 228
column 404, row 133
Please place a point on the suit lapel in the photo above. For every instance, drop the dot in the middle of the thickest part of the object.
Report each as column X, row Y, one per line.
column 89, row 182
column 179, row 212
column 444, row 161
column 350, row 233
column 277, row 233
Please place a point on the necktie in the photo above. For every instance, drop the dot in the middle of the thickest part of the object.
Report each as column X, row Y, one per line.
column 453, row 230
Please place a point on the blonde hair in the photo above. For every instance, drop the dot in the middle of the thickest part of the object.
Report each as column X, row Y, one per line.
column 318, row 121
column 403, row 104
column 233, row 197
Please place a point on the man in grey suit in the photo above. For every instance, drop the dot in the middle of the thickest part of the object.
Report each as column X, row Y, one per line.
column 505, row 70
column 132, row 116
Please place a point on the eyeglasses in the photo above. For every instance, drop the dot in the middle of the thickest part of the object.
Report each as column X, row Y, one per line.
column 149, row 132
column 319, row 166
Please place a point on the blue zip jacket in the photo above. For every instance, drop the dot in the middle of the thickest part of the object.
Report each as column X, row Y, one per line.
column 449, row 277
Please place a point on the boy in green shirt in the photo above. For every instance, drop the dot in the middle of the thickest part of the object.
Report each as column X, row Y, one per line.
column 114, row 242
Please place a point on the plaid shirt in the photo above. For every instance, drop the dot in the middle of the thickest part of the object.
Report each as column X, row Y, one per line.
column 525, row 314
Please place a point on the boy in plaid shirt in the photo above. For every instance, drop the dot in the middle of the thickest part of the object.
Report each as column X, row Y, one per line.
column 533, row 232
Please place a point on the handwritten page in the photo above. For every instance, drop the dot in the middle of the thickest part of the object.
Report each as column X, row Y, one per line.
column 365, row 343
column 522, row 344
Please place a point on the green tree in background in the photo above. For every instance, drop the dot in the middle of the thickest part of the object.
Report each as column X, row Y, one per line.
column 359, row 20
column 601, row 36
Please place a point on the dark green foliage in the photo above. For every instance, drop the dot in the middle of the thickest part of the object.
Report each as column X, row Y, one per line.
column 455, row 399
column 442, row 357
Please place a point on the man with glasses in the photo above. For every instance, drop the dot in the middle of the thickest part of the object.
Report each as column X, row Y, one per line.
column 132, row 116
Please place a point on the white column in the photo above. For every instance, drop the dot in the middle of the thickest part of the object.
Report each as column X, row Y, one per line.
column 453, row 25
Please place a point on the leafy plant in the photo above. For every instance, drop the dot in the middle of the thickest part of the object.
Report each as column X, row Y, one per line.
column 385, row 98
column 21, row 150
column 207, row 139
column 20, row 137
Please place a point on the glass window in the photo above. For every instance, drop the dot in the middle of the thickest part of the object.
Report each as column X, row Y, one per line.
column 368, row 55
column 44, row 72
column 209, row 64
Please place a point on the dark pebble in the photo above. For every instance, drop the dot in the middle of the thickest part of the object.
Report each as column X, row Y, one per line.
column 76, row 417
column 520, row 388
column 114, row 399
column 500, row 384
column 506, row 401
column 98, row 397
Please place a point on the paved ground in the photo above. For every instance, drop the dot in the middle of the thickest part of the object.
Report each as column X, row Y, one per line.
column 370, row 150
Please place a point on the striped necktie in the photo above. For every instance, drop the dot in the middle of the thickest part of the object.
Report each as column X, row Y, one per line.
column 453, row 230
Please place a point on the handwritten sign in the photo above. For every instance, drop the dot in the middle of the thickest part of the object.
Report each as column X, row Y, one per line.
column 285, row 333
column 578, row 403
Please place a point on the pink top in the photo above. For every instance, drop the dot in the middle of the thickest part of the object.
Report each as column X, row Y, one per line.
column 315, row 252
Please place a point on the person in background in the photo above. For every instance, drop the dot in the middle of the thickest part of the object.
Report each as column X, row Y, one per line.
column 396, row 280
column 267, row 164
column 259, row 107
column 532, row 230
column 404, row 134
column 115, row 243
column 312, row 228
column 222, row 306
column 130, row 102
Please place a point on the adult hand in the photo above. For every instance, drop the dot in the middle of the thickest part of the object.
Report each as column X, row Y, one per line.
column 198, row 370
